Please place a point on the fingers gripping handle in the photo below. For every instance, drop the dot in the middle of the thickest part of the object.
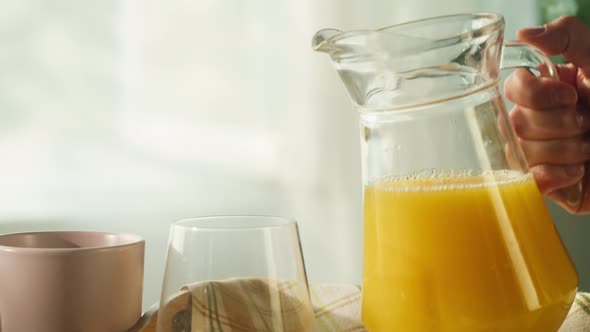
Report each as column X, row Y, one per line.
column 519, row 55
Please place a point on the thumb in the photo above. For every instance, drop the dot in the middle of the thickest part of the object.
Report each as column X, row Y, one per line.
column 566, row 36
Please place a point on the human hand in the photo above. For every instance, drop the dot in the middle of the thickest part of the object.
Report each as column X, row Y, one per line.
column 552, row 118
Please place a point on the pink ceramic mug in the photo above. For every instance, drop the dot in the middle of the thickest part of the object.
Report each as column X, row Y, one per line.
column 70, row 281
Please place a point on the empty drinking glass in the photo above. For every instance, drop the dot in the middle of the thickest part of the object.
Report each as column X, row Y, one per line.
column 235, row 272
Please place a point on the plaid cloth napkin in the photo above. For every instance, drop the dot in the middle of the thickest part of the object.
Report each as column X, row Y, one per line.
column 237, row 305
column 336, row 308
column 578, row 319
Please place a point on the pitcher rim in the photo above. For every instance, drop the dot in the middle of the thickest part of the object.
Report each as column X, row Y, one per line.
column 496, row 22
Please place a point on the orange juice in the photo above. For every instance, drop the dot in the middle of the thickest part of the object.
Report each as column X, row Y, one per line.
column 463, row 253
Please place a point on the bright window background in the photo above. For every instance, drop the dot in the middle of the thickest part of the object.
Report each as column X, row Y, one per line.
column 127, row 115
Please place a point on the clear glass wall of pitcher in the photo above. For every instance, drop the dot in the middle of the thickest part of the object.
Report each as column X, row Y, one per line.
column 457, row 236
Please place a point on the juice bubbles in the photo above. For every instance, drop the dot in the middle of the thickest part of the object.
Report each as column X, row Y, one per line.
column 463, row 252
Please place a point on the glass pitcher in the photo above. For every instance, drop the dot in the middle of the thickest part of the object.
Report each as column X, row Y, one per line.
column 457, row 236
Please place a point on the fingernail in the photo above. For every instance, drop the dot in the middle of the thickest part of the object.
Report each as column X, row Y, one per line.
column 518, row 124
column 531, row 32
column 574, row 170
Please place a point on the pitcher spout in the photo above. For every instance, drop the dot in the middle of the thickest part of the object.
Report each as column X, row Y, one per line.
column 321, row 40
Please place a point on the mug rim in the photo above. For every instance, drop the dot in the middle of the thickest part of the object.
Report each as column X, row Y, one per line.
column 496, row 21
column 131, row 240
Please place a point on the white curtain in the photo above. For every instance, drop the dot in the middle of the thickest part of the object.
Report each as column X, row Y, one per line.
column 125, row 115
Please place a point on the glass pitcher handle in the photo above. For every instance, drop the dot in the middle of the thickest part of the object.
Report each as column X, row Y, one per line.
column 519, row 55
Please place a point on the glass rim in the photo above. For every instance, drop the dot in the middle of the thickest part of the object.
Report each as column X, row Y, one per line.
column 496, row 21
column 234, row 222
